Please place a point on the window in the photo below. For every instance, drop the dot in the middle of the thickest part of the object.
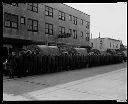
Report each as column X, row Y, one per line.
column 81, row 34
column 82, row 22
column 35, row 25
column 48, row 11
column 61, row 15
column 110, row 44
column 113, row 44
column 11, row 20
column 22, row 20
column 87, row 36
column 70, row 17
column 70, row 31
column 33, row 7
column 75, row 20
column 87, row 25
column 49, row 28
column 91, row 44
column 75, row 34
column 32, row 25
column 61, row 30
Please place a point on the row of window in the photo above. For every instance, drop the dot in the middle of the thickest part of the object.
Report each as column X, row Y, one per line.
column 11, row 21
column 49, row 12
column 114, row 45
column 61, row 30
column 62, row 16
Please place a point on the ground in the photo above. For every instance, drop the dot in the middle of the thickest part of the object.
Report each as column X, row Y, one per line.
column 98, row 80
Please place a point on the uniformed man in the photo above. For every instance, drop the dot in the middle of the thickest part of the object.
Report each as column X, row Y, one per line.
column 11, row 64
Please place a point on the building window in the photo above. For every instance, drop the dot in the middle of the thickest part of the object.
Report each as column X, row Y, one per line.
column 61, row 30
column 22, row 20
column 91, row 44
column 49, row 28
column 11, row 20
column 70, row 17
column 110, row 44
column 82, row 22
column 75, row 20
column 35, row 25
column 87, row 25
column 32, row 25
column 48, row 11
column 70, row 31
column 81, row 34
column 75, row 34
column 33, row 7
column 61, row 15
column 113, row 44
column 87, row 36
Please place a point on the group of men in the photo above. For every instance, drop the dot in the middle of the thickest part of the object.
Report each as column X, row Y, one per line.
column 12, row 64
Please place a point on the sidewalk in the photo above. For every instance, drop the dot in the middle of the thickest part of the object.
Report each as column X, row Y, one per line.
column 108, row 86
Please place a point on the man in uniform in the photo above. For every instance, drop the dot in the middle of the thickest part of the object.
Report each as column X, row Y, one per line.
column 11, row 64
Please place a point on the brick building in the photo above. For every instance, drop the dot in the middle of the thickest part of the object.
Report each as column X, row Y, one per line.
column 42, row 23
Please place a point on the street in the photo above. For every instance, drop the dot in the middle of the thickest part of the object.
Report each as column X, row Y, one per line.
column 97, row 83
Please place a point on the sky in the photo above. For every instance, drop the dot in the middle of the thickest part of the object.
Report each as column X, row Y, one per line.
column 110, row 19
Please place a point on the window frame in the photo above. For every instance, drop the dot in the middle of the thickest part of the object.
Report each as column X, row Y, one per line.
column 74, row 20
column 22, row 17
column 75, row 34
column 61, row 15
column 11, row 20
column 87, row 24
column 32, row 6
column 81, row 34
column 70, row 17
column 32, row 20
column 61, row 29
column 87, row 36
column 47, row 9
column 82, row 22
column 49, row 25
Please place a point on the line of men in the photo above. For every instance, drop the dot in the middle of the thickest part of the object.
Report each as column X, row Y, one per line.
column 31, row 62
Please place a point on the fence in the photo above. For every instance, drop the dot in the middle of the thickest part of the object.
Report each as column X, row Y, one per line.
column 38, row 64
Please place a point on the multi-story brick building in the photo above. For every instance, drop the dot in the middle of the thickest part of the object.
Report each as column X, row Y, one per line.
column 27, row 23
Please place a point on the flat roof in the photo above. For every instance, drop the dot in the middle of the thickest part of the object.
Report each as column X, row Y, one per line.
column 75, row 9
column 107, row 38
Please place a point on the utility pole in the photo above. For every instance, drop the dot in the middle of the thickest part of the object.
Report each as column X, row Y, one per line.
column 99, row 34
column 91, row 35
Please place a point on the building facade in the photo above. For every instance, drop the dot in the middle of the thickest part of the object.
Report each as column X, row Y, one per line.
column 27, row 23
column 102, row 44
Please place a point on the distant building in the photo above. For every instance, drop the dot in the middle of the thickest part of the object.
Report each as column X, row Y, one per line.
column 27, row 23
column 102, row 44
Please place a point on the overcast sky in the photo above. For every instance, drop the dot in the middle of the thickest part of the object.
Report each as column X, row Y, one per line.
column 110, row 19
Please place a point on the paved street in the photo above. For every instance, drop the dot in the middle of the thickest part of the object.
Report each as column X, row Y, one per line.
column 96, row 83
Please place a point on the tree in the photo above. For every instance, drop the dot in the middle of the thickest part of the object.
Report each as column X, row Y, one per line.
column 122, row 47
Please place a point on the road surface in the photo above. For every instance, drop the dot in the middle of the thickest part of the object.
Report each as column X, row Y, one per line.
column 96, row 83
